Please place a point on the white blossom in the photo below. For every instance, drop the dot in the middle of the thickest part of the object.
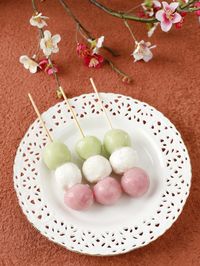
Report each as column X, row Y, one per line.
column 143, row 51
column 38, row 20
column 49, row 44
column 96, row 44
column 28, row 63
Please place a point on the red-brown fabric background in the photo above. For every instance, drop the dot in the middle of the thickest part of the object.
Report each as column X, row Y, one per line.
column 170, row 82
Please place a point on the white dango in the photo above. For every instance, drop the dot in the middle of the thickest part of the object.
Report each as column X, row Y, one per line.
column 67, row 175
column 96, row 168
column 57, row 155
column 123, row 159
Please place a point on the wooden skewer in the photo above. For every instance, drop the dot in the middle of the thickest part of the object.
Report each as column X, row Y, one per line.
column 72, row 111
column 101, row 103
column 40, row 117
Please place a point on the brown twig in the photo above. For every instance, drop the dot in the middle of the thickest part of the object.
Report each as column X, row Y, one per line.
column 127, row 16
column 70, row 13
column 133, row 8
column 34, row 7
column 54, row 73
column 130, row 30
column 186, row 7
column 187, row 4
column 85, row 32
column 83, row 29
column 122, row 15
column 125, row 77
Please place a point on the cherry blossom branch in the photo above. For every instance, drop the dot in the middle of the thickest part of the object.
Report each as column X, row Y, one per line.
column 127, row 16
column 82, row 28
column 125, row 77
column 187, row 4
column 131, row 32
column 49, row 57
column 70, row 13
column 186, row 7
column 133, row 8
column 55, row 74
column 193, row 9
column 34, row 7
column 122, row 15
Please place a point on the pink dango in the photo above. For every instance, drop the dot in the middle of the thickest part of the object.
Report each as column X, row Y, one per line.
column 79, row 197
column 135, row 182
column 107, row 191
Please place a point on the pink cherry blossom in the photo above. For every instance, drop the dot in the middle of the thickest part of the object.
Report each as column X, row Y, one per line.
column 82, row 50
column 48, row 68
column 168, row 15
column 43, row 63
column 198, row 11
column 93, row 61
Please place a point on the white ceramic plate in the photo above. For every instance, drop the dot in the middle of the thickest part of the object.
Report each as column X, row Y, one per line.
column 131, row 223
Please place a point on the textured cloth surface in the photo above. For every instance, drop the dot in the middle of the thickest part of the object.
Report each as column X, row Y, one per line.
column 170, row 82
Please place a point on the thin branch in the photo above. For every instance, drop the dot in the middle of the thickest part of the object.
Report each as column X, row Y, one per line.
column 54, row 73
column 191, row 9
column 187, row 4
column 34, row 6
column 82, row 28
column 130, row 30
column 125, row 77
column 84, row 32
column 122, row 15
column 111, row 50
column 77, row 34
column 133, row 8
column 70, row 13
column 127, row 16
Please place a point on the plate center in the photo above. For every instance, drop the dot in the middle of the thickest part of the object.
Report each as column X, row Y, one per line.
column 127, row 211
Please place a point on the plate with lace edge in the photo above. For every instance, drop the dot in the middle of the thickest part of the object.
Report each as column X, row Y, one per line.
column 130, row 223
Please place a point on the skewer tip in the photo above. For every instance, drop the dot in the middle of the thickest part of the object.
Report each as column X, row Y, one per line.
column 39, row 117
column 92, row 81
column 72, row 111
column 100, row 101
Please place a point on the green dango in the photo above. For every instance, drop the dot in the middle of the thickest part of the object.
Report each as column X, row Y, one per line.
column 115, row 139
column 88, row 146
column 55, row 154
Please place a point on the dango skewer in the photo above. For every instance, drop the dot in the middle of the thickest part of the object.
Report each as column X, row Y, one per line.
column 135, row 181
column 87, row 146
column 95, row 166
column 55, row 152
column 68, row 176
column 117, row 143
